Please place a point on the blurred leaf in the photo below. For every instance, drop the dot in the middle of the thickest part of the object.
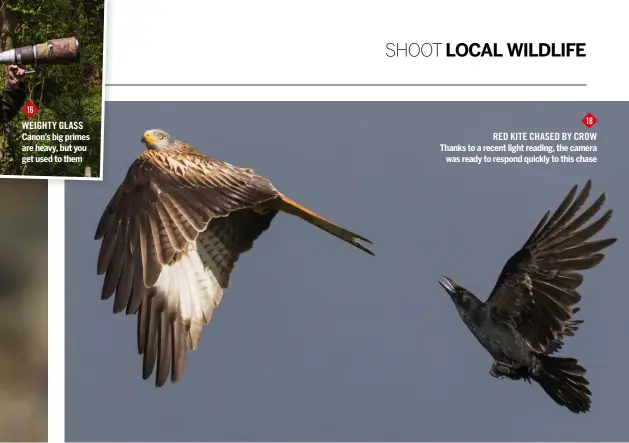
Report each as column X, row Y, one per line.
column 23, row 310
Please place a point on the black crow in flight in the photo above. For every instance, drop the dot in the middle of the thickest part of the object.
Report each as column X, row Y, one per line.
column 531, row 308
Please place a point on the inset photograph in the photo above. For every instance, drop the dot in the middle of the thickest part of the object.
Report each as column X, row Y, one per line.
column 350, row 271
column 23, row 310
column 51, row 109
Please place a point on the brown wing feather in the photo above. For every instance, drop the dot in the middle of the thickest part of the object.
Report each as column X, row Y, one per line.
column 226, row 238
column 161, row 205
column 163, row 340
column 537, row 288
column 166, row 200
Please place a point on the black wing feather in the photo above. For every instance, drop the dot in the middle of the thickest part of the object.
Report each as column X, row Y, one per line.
column 537, row 288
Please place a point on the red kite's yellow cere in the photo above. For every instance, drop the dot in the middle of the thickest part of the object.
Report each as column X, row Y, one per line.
column 171, row 235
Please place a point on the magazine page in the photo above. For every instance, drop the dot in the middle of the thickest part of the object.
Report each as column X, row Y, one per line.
column 347, row 222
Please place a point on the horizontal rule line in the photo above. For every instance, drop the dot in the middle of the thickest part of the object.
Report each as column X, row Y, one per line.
column 370, row 85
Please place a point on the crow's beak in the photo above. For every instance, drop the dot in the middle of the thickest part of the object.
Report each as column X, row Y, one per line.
column 448, row 285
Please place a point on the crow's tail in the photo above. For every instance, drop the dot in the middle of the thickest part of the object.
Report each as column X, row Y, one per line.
column 564, row 381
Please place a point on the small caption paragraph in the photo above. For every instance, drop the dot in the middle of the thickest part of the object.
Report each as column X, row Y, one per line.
column 526, row 147
column 53, row 142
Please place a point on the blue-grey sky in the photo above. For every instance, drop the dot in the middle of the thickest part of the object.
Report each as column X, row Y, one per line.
column 315, row 340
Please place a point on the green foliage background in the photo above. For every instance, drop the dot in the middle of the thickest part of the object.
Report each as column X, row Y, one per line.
column 62, row 93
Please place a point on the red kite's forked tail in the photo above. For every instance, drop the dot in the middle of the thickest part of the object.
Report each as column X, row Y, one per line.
column 285, row 204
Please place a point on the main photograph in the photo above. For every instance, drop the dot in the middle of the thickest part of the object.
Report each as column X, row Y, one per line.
column 349, row 271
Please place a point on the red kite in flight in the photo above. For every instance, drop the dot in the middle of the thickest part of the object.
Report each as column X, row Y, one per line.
column 171, row 235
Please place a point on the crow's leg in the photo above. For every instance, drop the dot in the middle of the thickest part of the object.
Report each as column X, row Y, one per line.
column 500, row 369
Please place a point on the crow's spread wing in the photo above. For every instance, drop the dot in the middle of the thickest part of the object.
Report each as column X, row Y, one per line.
column 537, row 288
column 572, row 326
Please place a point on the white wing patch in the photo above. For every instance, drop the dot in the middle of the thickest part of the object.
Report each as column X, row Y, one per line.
column 193, row 286
column 190, row 293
